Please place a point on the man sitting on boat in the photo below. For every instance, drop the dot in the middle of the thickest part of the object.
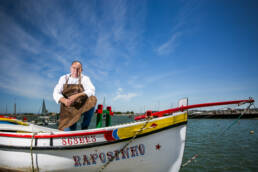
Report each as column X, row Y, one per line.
column 76, row 95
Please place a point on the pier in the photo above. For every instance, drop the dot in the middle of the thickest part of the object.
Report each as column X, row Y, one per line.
column 229, row 113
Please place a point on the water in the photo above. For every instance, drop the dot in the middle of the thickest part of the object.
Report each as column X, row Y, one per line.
column 218, row 149
column 233, row 150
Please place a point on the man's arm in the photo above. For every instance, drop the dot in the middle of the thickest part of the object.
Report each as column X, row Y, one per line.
column 57, row 93
column 89, row 88
column 76, row 96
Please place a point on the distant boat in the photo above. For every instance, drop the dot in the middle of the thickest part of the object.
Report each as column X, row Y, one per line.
column 155, row 143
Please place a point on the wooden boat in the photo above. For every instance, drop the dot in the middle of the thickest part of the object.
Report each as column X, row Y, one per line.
column 155, row 143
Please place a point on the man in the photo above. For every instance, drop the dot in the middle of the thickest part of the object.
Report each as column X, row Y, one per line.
column 76, row 94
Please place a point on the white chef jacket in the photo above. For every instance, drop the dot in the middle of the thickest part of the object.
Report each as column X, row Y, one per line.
column 89, row 88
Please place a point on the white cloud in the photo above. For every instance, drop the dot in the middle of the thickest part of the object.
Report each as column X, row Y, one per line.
column 23, row 70
column 123, row 96
column 183, row 24
column 20, row 78
column 119, row 90
column 126, row 97
column 114, row 41
column 40, row 44
column 169, row 46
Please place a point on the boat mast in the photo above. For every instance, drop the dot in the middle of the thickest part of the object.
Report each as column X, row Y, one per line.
column 14, row 108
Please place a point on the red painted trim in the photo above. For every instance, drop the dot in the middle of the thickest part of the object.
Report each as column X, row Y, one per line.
column 108, row 136
column 45, row 136
column 182, row 108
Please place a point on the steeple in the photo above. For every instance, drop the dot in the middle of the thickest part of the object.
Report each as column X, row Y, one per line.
column 44, row 109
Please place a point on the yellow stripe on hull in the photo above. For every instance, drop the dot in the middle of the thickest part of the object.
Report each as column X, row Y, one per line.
column 14, row 121
column 152, row 125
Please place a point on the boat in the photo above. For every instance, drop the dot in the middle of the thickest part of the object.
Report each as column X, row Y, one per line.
column 154, row 142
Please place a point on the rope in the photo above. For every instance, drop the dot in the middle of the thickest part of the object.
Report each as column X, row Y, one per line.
column 233, row 123
column 31, row 153
column 236, row 121
column 130, row 141
column 190, row 160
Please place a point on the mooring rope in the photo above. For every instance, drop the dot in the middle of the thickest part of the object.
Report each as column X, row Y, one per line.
column 190, row 160
column 233, row 123
column 130, row 141
column 31, row 153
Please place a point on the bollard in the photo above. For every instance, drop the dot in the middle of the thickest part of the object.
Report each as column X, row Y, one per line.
column 149, row 113
column 108, row 116
column 108, row 112
column 99, row 112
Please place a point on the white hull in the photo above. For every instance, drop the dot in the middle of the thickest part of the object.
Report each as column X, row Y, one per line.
column 158, row 147
column 143, row 152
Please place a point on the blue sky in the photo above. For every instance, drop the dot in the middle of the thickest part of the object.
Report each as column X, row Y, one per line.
column 139, row 54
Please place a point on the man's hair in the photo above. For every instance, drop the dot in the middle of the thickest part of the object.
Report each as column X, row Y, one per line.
column 76, row 61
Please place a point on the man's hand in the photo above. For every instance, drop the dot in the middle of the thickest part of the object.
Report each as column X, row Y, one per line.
column 69, row 101
column 75, row 96
column 66, row 102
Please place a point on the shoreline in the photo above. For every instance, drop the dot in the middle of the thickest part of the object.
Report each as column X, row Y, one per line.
column 211, row 114
column 223, row 116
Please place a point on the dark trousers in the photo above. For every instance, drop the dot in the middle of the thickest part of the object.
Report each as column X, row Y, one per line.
column 85, row 121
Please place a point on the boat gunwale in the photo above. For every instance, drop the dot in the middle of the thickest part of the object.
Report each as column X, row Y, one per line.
column 62, row 134
column 49, row 135
column 89, row 145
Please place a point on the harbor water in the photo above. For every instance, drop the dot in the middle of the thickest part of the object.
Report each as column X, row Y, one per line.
column 217, row 145
column 221, row 145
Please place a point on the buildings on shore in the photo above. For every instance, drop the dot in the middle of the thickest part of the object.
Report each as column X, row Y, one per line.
column 40, row 119
column 228, row 113
column 47, row 118
column 43, row 118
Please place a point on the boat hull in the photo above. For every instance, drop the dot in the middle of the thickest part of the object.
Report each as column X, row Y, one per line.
column 164, row 148
column 151, row 145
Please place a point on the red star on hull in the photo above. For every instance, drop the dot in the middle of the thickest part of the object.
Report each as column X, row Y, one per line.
column 158, row 146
